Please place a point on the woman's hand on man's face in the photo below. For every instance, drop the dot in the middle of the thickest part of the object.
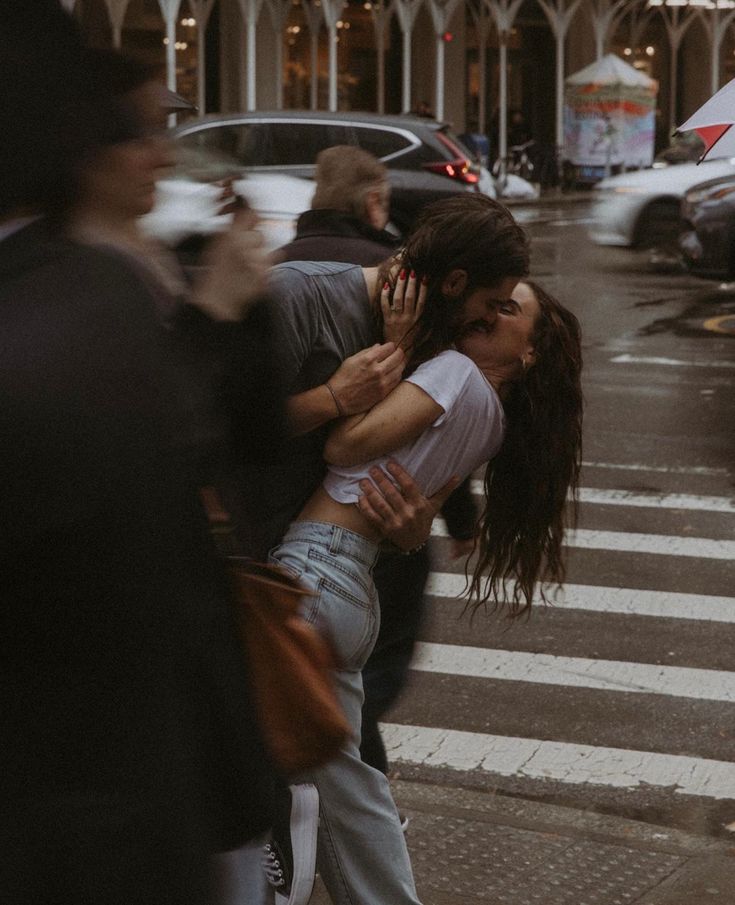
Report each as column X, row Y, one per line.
column 402, row 306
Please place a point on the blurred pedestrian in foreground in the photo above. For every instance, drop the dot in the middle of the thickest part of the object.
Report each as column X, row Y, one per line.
column 349, row 211
column 217, row 336
column 130, row 751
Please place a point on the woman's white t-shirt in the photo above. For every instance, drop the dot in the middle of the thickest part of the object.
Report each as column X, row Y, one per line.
column 468, row 433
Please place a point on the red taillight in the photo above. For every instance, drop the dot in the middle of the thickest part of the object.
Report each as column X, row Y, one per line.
column 458, row 168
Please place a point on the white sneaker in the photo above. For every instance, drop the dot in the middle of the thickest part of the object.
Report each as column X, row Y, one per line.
column 289, row 859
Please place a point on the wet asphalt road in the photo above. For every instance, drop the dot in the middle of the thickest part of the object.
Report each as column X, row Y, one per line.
column 623, row 701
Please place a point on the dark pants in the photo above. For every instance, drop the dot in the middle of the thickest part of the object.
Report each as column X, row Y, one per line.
column 400, row 581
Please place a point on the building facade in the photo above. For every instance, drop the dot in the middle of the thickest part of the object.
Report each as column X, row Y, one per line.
column 487, row 66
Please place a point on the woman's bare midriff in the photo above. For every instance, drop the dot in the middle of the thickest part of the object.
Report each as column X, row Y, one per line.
column 322, row 508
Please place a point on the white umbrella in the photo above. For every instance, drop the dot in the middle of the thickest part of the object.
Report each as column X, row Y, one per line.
column 714, row 121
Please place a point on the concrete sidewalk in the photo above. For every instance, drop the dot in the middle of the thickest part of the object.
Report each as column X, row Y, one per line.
column 471, row 847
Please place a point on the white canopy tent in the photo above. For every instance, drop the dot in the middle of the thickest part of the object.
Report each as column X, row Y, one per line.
column 609, row 115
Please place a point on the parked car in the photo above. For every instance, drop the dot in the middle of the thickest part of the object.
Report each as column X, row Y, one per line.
column 708, row 242
column 425, row 160
column 641, row 209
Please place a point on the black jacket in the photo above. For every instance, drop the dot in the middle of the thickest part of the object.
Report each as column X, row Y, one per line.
column 129, row 750
column 359, row 243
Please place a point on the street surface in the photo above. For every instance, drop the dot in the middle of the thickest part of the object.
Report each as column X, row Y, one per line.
column 620, row 697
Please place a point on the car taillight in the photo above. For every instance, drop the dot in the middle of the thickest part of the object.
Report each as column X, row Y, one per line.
column 459, row 167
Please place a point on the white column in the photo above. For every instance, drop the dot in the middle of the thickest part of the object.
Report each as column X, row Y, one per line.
column 406, row 10
column 504, row 13
column 604, row 15
column 170, row 12
column 278, row 10
column 250, row 12
column 381, row 14
column 116, row 10
column 314, row 82
column 716, row 23
column 503, row 100
column 201, row 11
column 677, row 20
column 560, row 14
column 441, row 13
column 482, row 25
column 313, row 16
column 332, row 10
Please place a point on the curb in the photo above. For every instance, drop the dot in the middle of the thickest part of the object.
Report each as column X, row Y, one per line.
column 541, row 817
column 549, row 198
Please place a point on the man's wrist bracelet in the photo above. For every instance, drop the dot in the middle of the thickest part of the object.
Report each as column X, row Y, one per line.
column 337, row 404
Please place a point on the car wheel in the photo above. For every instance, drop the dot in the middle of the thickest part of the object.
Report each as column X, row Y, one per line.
column 659, row 225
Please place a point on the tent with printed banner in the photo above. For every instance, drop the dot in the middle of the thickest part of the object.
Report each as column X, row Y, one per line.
column 609, row 117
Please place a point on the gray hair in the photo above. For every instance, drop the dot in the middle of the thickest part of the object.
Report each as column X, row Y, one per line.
column 344, row 176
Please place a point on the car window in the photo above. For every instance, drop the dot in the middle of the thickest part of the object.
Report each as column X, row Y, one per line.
column 298, row 143
column 381, row 142
column 246, row 144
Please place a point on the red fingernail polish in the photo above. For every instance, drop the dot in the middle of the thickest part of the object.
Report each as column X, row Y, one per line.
column 424, row 280
column 403, row 274
column 413, row 274
column 386, row 285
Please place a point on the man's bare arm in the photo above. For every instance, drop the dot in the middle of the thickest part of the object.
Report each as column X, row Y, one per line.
column 361, row 381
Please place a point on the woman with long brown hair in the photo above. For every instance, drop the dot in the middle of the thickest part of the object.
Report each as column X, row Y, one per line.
column 473, row 337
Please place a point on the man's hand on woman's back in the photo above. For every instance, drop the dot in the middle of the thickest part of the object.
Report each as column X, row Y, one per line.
column 397, row 508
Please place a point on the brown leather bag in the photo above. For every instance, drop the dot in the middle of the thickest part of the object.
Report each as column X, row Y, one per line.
column 290, row 662
column 291, row 667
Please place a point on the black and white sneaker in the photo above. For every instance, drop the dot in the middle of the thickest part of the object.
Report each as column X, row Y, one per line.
column 289, row 858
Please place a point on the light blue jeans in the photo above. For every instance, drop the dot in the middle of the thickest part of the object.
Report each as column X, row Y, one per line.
column 361, row 852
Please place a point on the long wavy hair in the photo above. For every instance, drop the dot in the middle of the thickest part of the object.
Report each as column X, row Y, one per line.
column 531, row 485
column 466, row 232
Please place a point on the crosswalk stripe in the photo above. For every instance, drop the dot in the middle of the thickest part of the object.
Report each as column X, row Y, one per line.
column 671, row 362
column 631, row 542
column 659, row 469
column 546, row 669
column 629, row 601
column 567, row 763
column 603, row 497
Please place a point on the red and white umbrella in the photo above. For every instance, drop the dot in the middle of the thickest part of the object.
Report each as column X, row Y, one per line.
column 714, row 122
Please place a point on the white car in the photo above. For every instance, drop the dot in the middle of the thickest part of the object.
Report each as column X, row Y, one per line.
column 186, row 209
column 642, row 208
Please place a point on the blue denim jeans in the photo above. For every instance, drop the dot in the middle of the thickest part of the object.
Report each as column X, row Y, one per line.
column 361, row 854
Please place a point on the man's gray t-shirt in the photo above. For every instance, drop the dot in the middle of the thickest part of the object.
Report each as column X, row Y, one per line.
column 322, row 315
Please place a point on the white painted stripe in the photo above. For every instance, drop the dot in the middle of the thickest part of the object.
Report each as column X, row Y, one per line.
column 575, row 672
column 670, row 362
column 662, row 469
column 567, row 763
column 629, row 601
column 630, row 542
column 602, row 497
